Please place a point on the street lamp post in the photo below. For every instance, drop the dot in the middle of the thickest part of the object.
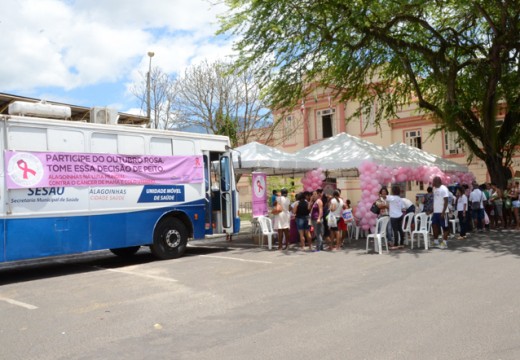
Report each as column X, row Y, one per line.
column 148, row 90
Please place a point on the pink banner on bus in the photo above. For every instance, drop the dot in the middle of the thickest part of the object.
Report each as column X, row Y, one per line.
column 49, row 169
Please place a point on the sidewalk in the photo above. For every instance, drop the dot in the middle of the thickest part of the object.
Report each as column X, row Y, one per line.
column 496, row 241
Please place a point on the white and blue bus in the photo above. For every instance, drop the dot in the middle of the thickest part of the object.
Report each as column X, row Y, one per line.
column 71, row 187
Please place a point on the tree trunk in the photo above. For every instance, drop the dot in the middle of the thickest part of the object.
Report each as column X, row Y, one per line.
column 499, row 174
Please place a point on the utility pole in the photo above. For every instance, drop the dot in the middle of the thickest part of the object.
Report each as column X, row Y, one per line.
column 148, row 90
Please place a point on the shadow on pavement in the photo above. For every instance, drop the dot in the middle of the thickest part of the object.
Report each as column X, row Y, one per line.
column 38, row 269
column 499, row 243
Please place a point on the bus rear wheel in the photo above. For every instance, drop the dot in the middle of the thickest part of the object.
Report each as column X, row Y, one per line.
column 125, row 252
column 170, row 239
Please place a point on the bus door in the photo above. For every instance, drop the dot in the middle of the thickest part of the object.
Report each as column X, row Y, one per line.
column 208, row 229
column 226, row 191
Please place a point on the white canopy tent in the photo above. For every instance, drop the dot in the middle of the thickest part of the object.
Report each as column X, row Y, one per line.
column 413, row 154
column 344, row 151
column 259, row 157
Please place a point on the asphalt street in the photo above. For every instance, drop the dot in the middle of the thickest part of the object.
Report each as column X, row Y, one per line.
column 239, row 301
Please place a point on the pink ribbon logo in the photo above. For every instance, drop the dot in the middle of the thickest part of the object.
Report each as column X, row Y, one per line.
column 22, row 165
column 260, row 187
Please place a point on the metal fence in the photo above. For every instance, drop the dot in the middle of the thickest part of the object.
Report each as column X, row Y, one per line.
column 246, row 208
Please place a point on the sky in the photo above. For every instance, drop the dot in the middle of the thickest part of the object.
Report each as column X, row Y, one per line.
column 90, row 52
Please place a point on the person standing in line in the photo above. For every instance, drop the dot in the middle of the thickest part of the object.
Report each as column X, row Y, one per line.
column 515, row 203
column 382, row 204
column 428, row 201
column 336, row 207
column 469, row 215
column 485, row 206
column 301, row 212
column 419, row 205
column 274, row 196
column 283, row 219
column 348, row 217
column 325, row 199
column 461, row 207
column 276, row 210
column 440, row 212
column 395, row 210
column 476, row 201
column 498, row 206
column 508, row 211
column 342, row 226
column 317, row 217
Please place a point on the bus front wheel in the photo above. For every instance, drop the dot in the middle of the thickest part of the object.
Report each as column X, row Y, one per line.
column 170, row 239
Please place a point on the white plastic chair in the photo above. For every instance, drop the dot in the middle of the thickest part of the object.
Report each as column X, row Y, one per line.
column 407, row 227
column 429, row 223
column 267, row 230
column 455, row 224
column 354, row 230
column 379, row 235
column 421, row 229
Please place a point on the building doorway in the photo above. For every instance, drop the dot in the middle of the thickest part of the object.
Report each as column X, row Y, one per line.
column 327, row 123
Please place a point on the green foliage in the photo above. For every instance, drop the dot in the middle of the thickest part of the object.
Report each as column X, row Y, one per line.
column 457, row 59
column 225, row 126
column 278, row 182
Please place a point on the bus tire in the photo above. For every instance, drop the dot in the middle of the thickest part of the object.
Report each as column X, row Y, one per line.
column 125, row 252
column 170, row 239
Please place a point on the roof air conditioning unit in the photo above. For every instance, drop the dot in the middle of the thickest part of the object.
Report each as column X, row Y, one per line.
column 104, row 115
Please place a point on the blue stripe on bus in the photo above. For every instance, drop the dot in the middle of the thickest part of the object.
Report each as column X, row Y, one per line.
column 29, row 238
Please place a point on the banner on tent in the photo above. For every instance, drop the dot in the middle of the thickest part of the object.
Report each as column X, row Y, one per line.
column 259, row 205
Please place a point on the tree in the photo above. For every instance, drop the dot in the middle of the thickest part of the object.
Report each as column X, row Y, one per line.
column 224, row 126
column 457, row 59
column 219, row 100
column 162, row 98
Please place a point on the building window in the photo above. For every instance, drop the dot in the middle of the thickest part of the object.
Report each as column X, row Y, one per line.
column 326, row 122
column 413, row 138
column 451, row 145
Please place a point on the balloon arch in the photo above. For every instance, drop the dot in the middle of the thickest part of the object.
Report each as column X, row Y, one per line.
column 373, row 176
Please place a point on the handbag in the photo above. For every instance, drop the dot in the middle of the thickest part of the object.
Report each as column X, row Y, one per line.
column 332, row 221
column 375, row 209
column 507, row 203
column 475, row 205
column 277, row 209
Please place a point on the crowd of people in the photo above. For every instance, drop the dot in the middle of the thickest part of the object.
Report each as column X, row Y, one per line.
column 316, row 215
column 489, row 206
column 325, row 218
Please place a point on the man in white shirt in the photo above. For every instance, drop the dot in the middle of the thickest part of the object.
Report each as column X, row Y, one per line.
column 440, row 211
column 476, row 202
